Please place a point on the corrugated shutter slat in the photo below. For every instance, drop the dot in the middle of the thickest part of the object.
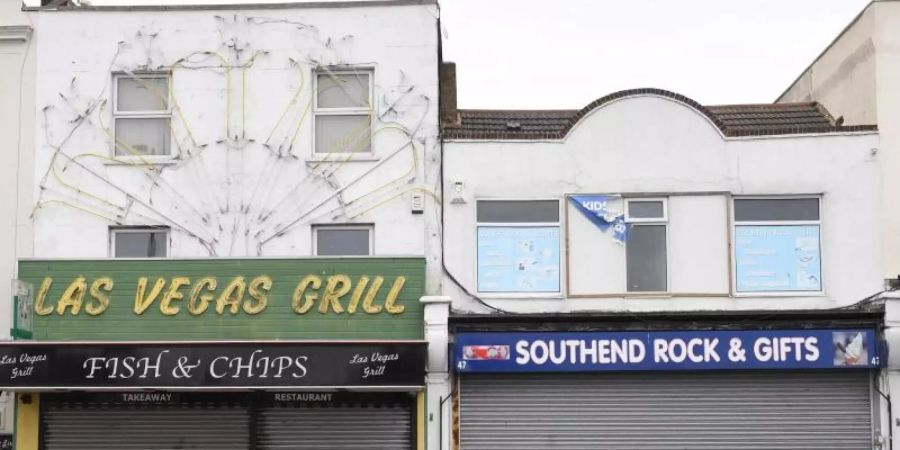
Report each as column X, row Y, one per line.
column 340, row 427
column 145, row 427
column 648, row 411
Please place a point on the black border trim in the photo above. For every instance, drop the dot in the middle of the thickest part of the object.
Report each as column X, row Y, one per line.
column 871, row 317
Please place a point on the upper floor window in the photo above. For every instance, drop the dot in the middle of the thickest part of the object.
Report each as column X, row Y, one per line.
column 518, row 246
column 645, row 249
column 343, row 112
column 139, row 242
column 777, row 245
column 342, row 240
column 142, row 115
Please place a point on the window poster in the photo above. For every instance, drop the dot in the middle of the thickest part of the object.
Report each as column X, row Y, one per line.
column 518, row 259
column 777, row 258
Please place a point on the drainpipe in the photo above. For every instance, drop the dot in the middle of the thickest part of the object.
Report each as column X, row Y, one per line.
column 437, row 381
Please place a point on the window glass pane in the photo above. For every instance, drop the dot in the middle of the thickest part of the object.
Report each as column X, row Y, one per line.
column 645, row 209
column 646, row 255
column 143, row 94
column 518, row 259
column 777, row 258
column 343, row 134
column 776, row 209
column 140, row 244
column 348, row 90
column 142, row 136
column 342, row 242
column 518, row 211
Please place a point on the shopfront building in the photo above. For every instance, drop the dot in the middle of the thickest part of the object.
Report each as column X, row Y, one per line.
column 772, row 388
column 734, row 237
column 221, row 354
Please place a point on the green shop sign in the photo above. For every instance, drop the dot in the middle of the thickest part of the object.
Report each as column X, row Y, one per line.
column 169, row 299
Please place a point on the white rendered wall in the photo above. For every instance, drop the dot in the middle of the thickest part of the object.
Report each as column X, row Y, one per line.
column 843, row 77
column 857, row 78
column 247, row 182
column 17, row 65
column 655, row 145
column 144, row 3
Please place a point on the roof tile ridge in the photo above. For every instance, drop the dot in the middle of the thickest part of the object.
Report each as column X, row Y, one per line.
column 493, row 110
column 763, row 105
column 824, row 111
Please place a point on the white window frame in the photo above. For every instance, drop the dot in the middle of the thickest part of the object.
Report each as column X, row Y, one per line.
column 639, row 221
column 735, row 224
column 334, row 226
column 562, row 251
column 663, row 200
column 113, row 231
column 370, row 111
column 150, row 114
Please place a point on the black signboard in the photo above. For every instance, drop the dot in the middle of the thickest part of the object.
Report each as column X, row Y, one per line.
column 224, row 365
column 256, row 398
column 6, row 441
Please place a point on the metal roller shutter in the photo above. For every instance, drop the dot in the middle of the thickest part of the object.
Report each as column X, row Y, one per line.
column 145, row 427
column 735, row 410
column 336, row 427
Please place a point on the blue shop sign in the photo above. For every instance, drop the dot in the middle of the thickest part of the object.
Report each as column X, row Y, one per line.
column 667, row 350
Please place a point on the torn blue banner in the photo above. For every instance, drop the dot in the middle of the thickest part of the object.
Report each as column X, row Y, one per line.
column 596, row 209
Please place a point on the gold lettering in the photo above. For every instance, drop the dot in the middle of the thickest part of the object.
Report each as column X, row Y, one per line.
column 357, row 294
column 39, row 307
column 165, row 306
column 196, row 308
column 368, row 303
column 101, row 299
column 389, row 305
column 259, row 291
column 309, row 299
column 333, row 294
column 141, row 303
column 233, row 296
column 73, row 297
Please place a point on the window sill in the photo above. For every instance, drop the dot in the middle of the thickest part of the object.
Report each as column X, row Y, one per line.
column 521, row 296
column 648, row 295
column 343, row 157
column 799, row 294
column 141, row 161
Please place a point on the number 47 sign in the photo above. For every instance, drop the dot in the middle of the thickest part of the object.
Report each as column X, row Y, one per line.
column 23, row 310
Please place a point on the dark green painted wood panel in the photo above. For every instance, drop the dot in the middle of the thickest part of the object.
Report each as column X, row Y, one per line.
column 276, row 321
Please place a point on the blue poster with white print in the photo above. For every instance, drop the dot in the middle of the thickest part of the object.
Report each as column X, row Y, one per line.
column 837, row 349
column 596, row 209
column 777, row 258
column 518, row 259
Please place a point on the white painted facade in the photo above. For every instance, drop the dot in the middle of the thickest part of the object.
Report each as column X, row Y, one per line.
column 856, row 78
column 655, row 146
column 17, row 64
column 244, row 179
column 17, row 111
column 142, row 3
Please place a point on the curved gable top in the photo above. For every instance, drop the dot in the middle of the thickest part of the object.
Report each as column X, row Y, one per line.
column 644, row 92
column 731, row 120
